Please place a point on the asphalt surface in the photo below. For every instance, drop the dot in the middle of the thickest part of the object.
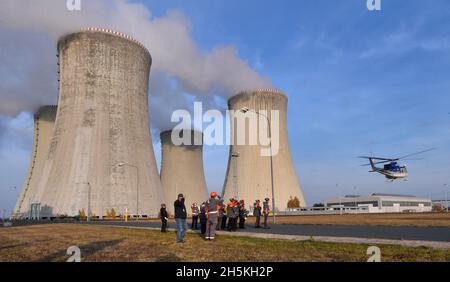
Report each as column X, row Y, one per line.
column 441, row 234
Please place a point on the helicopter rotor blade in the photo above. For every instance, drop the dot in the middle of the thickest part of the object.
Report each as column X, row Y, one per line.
column 383, row 162
column 413, row 154
column 377, row 158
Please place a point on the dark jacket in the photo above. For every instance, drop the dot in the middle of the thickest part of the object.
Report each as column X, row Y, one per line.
column 243, row 213
column 180, row 209
column 163, row 214
column 202, row 214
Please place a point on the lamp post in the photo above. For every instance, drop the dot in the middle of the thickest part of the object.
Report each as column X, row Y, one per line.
column 244, row 110
column 88, row 199
column 235, row 156
column 446, row 196
column 89, row 202
column 340, row 200
column 137, row 186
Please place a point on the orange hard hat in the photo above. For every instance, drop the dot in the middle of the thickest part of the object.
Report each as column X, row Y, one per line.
column 213, row 194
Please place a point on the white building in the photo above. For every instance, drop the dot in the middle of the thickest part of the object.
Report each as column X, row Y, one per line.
column 381, row 203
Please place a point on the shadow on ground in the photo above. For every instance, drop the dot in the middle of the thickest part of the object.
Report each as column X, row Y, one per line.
column 168, row 258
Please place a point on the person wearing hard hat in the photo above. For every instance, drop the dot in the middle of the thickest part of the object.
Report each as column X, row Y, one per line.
column 195, row 214
column 233, row 213
column 203, row 219
column 180, row 218
column 243, row 213
column 220, row 214
column 223, row 223
column 164, row 217
column 257, row 213
column 212, row 207
column 266, row 210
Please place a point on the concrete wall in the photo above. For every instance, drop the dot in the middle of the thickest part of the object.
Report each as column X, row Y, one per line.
column 102, row 122
column 44, row 121
column 182, row 170
column 251, row 172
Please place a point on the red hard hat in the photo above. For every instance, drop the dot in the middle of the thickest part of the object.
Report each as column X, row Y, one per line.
column 213, row 194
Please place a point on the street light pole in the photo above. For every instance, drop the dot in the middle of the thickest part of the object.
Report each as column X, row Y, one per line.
column 137, row 186
column 244, row 110
column 340, row 200
column 89, row 202
column 88, row 210
column 446, row 196
column 235, row 156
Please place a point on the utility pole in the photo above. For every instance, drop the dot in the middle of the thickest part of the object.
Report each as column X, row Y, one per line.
column 340, row 200
column 244, row 110
column 137, row 186
column 235, row 156
column 88, row 194
column 89, row 202
column 446, row 196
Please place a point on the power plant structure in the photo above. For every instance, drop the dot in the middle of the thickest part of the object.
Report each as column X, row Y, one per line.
column 250, row 175
column 182, row 168
column 100, row 156
column 93, row 153
column 44, row 121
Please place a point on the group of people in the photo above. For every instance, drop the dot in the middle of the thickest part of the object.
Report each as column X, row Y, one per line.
column 213, row 215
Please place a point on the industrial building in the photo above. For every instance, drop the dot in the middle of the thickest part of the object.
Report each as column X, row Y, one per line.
column 249, row 174
column 93, row 153
column 44, row 121
column 100, row 155
column 182, row 169
column 381, row 203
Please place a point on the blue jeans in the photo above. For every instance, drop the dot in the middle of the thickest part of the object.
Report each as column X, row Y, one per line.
column 181, row 228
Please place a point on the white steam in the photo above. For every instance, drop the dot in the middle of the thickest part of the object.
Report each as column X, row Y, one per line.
column 181, row 72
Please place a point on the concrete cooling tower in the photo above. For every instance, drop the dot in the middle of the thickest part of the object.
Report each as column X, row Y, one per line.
column 44, row 121
column 182, row 170
column 101, row 156
column 248, row 174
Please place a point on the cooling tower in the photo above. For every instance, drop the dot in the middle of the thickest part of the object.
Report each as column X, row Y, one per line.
column 248, row 174
column 44, row 121
column 182, row 169
column 101, row 156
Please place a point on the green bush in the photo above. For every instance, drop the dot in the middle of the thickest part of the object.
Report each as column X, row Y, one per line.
column 293, row 203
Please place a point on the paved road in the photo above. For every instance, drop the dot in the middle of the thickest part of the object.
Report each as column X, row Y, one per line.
column 383, row 232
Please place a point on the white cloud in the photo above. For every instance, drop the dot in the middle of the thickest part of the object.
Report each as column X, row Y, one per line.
column 403, row 41
column 168, row 38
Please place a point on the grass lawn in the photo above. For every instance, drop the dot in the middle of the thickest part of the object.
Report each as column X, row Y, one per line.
column 101, row 243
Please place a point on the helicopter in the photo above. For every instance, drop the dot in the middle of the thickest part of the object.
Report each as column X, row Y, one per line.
column 391, row 170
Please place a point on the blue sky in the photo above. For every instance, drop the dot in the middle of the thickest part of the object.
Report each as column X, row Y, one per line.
column 357, row 81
